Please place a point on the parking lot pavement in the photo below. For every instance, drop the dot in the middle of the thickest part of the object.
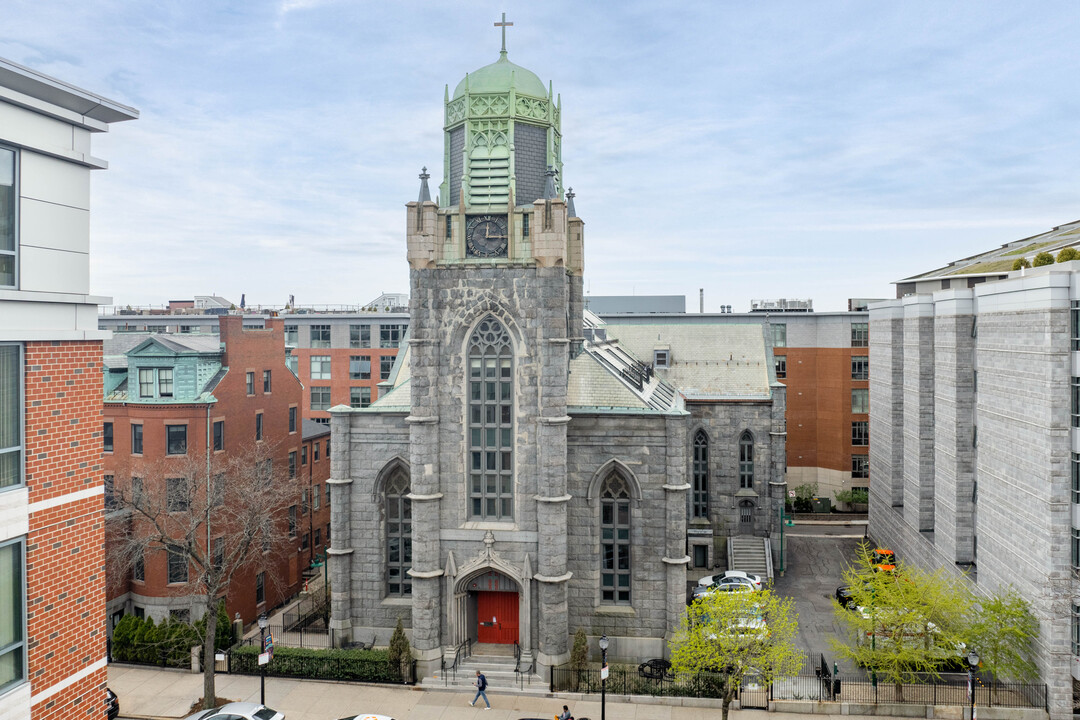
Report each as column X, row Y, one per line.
column 815, row 561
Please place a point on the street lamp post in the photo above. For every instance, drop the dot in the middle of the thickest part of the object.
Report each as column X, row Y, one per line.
column 973, row 664
column 603, row 676
column 263, row 622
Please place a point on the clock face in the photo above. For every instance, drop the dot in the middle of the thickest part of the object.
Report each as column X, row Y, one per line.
column 486, row 236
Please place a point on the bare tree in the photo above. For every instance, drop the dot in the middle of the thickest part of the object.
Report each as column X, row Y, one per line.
column 219, row 520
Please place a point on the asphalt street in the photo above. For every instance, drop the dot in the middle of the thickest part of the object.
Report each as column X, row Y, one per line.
column 816, row 556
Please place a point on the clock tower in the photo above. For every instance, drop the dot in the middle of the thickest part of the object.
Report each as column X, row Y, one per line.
column 496, row 304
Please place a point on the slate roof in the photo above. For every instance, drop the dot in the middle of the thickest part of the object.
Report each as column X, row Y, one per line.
column 708, row 361
column 999, row 261
column 309, row 429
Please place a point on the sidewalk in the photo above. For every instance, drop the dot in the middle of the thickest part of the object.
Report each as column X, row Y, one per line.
column 151, row 693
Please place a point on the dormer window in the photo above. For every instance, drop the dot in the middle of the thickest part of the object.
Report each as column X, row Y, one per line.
column 662, row 358
column 165, row 382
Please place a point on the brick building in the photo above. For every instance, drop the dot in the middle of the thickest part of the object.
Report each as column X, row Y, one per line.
column 169, row 401
column 341, row 357
column 52, row 582
column 313, row 513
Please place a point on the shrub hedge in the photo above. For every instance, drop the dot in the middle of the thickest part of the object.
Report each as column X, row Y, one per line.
column 356, row 665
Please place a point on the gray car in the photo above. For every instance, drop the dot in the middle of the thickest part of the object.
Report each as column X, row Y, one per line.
column 238, row 711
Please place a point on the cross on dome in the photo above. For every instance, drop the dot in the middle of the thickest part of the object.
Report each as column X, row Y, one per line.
column 504, row 25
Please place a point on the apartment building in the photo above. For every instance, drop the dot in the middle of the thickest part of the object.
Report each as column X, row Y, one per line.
column 177, row 405
column 52, row 583
column 340, row 357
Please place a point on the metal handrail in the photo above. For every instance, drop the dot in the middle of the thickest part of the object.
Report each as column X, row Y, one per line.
column 465, row 647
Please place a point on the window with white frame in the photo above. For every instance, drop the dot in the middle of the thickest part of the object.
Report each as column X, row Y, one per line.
column 860, row 334
column 11, row 416
column 165, row 384
column 360, row 367
column 491, row 422
column 779, row 334
column 860, row 400
column 661, row 358
column 320, row 398
column 390, row 335
column 860, row 367
column 359, row 397
column 176, row 439
column 9, row 222
column 320, row 336
column 292, row 336
column 860, row 466
column 146, row 383
column 780, row 363
column 249, row 382
column 12, row 613
column 615, row 541
column 860, row 433
column 320, row 367
column 178, row 565
column 359, row 336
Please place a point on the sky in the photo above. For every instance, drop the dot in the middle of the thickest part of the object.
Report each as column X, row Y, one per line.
column 760, row 150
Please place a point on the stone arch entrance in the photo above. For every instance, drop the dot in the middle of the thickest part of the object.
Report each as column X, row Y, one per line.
column 493, row 608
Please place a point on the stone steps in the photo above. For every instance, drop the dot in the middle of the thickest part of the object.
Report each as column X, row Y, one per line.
column 499, row 671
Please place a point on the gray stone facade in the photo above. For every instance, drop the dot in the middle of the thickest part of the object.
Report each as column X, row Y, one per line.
column 583, row 417
column 983, row 387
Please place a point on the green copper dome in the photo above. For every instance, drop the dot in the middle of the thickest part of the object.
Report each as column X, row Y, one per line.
column 497, row 78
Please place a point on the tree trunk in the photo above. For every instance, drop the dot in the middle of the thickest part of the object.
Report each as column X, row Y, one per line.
column 209, row 640
column 725, row 707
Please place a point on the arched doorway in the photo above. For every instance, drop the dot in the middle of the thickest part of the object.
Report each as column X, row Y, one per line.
column 493, row 604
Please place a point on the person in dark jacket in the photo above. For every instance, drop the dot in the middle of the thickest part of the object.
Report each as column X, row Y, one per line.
column 481, row 686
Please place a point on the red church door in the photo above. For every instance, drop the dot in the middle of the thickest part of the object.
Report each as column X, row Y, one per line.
column 497, row 614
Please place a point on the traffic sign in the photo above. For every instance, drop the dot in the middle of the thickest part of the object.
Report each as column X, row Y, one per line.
column 791, row 493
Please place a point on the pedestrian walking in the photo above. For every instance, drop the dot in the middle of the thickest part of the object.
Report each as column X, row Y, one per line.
column 481, row 686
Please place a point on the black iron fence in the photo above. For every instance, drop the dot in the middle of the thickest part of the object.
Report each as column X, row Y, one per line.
column 820, row 686
column 296, row 636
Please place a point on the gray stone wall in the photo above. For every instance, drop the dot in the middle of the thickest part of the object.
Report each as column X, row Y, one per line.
column 954, row 448
column 1018, row 530
column 530, row 162
column 918, row 413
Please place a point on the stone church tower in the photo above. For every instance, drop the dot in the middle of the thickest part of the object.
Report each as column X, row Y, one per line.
column 522, row 475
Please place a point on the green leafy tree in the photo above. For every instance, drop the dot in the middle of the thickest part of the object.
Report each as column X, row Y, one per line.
column 1067, row 254
column 400, row 653
column 1043, row 258
column 905, row 623
column 1004, row 633
column 736, row 635
column 1021, row 263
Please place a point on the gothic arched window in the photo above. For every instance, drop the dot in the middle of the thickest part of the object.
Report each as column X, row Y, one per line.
column 746, row 460
column 491, row 422
column 699, row 502
column 615, row 540
column 398, row 535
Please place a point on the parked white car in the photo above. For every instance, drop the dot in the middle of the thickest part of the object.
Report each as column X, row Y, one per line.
column 734, row 575
column 238, row 711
